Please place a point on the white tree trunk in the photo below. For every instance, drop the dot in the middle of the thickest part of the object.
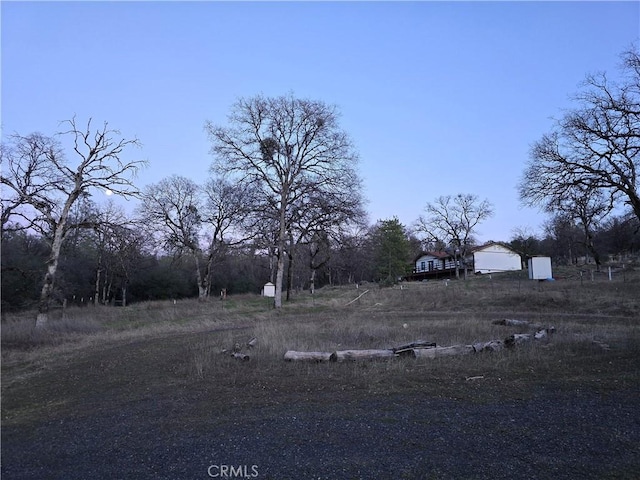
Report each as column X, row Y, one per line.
column 42, row 319
column 202, row 284
column 277, row 300
column 312, row 281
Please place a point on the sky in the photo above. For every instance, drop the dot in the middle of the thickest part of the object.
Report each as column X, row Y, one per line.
column 439, row 98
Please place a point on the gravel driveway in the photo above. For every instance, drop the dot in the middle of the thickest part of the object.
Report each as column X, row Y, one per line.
column 553, row 434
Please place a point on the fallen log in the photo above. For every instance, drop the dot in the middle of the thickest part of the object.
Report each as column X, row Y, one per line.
column 293, row 356
column 442, row 351
column 349, row 355
column 347, row 304
column 517, row 339
column 414, row 345
column 540, row 334
column 240, row 356
column 492, row 346
column 520, row 338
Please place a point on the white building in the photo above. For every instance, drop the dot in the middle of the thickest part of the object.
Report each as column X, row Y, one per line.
column 269, row 290
column 494, row 258
column 540, row 268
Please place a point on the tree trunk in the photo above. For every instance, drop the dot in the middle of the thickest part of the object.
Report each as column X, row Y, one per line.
column 42, row 318
column 202, row 284
column 312, row 281
column 277, row 299
column 96, row 298
column 124, row 295
column 634, row 201
column 208, row 273
column 289, row 271
column 282, row 239
column 592, row 249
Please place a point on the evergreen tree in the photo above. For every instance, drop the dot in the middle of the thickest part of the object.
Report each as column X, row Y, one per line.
column 392, row 250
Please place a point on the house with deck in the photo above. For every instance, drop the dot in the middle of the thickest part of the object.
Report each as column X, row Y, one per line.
column 438, row 264
column 491, row 257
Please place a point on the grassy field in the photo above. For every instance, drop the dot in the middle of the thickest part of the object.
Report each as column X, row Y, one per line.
column 174, row 349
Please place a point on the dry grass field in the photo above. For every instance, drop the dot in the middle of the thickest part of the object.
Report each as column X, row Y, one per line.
column 146, row 390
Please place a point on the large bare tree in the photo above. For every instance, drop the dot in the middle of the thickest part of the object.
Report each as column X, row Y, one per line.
column 317, row 218
column 41, row 186
column 595, row 146
column 288, row 149
column 172, row 208
column 452, row 221
column 199, row 221
column 229, row 218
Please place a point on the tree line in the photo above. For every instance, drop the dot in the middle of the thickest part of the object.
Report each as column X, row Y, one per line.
column 284, row 203
column 94, row 269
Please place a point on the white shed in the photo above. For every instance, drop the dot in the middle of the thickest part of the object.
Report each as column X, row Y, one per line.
column 540, row 268
column 494, row 257
column 269, row 290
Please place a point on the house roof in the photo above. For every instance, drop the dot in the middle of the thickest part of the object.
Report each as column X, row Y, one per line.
column 438, row 254
column 443, row 254
column 489, row 244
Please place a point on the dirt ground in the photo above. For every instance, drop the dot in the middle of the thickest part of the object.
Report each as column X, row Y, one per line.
column 167, row 405
column 552, row 434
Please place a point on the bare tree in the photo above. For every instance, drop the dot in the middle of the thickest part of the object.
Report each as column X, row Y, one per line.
column 589, row 207
column 229, row 218
column 198, row 221
column 317, row 218
column 592, row 147
column 452, row 220
column 118, row 244
column 288, row 149
column 42, row 186
column 172, row 209
column 563, row 233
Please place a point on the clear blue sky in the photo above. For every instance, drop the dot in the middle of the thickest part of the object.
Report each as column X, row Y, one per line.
column 438, row 97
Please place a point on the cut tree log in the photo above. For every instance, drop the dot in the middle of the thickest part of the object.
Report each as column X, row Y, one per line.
column 517, row 339
column 293, row 356
column 442, row 351
column 240, row 356
column 414, row 345
column 540, row 334
column 349, row 355
column 492, row 346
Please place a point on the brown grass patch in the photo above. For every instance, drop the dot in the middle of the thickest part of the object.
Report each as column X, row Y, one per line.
column 174, row 350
